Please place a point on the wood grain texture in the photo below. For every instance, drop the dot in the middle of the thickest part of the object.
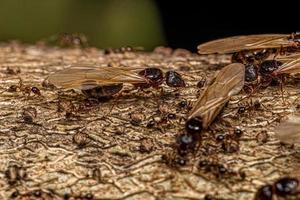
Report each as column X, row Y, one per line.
column 78, row 148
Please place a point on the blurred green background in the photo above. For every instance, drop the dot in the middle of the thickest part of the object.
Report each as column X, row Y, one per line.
column 106, row 23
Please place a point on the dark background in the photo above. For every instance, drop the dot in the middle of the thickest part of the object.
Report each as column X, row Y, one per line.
column 145, row 23
column 188, row 23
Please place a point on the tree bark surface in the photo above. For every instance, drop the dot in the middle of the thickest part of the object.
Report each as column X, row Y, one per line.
column 61, row 145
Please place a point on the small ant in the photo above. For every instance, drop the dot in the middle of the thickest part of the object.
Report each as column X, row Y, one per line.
column 283, row 187
column 25, row 89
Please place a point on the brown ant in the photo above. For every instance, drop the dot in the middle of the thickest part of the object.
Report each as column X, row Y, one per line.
column 29, row 114
column 11, row 71
column 25, row 89
column 99, row 82
column 70, row 40
column 283, row 187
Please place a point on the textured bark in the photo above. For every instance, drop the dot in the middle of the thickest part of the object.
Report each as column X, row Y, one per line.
column 59, row 144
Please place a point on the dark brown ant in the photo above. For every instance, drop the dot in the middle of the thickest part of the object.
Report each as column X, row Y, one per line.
column 109, row 82
column 238, row 132
column 174, row 160
column 194, row 125
column 66, row 196
column 155, row 78
column 151, row 124
column 182, row 161
column 208, row 106
column 12, row 88
column 153, row 75
column 268, row 66
column 25, row 89
column 88, row 196
column 251, row 56
column 70, row 110
column 218, row 170
column 264, row 193
column 37, row 193
column 229, row 142
column 184, row 104
column 220, row 137
column 47, row 84
column 230, row 146
column 11, row 71
column 167, row 116
column 242, row 109
column 29, row 114
column 171, row 116
column 283, row 187
column 251, row 48
column 173, row 79
column 72, row 40
column 186, row 143
column 70, row 115
column 286, row 186
column 208, row 197
column 15, row 194
column 160, row 122
column 261, row 75
column 36, row 91
column 201, row 83
column 250, row 106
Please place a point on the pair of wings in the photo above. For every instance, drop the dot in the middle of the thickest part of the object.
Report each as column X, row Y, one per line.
column 291, row 64
column 255, row 42
column 289, row 130
column 245, row 42
column 228, row 82
column 87, row 76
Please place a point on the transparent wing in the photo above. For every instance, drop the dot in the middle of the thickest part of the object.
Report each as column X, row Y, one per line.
column 287, row 57
column 87, row 77
column 289, row 131
column 228, row 82
column 291, row 65
column 245, row 42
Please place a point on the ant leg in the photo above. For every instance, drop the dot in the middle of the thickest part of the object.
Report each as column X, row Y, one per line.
column 252, row 89
column 115, row 101
column 161, row 91
column 281, row 89
column 248, row 88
